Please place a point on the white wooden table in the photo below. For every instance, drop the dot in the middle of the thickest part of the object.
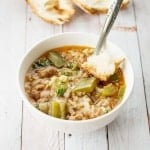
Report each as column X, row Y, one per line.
column 19, row 29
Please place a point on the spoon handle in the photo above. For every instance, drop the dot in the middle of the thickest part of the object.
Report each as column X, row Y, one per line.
column 110, row 19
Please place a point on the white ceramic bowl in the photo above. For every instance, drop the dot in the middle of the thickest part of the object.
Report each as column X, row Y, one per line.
column 68, row 125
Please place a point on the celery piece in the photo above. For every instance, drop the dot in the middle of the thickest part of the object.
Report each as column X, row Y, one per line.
column 58, row 109
column 86, row 85
column 109, row 90
column 63, row 109
column 121, row 91
column 56, row 59
column 49, row 109
column 55, row 109
column 43, row 107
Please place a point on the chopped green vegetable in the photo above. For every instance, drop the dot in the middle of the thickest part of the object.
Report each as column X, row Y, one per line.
column 67, row 73
column 50, row 109
column 60, row 85
column 109, row 90
column 42, row 62
column 72, row 65
column 56, row 59
column 58, row 109
column 61, row 90
column 43, row 107
column 69, row 65
column 113, row 78
column 108, row 110
column 121, row 91
column 76, row 72
column 86, row 85
column 55, row 109
column 63, row 109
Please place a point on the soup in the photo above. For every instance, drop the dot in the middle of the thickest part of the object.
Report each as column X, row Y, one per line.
column 57, row 85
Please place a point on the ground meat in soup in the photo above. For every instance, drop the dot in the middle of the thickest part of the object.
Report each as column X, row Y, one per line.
column 58, row 86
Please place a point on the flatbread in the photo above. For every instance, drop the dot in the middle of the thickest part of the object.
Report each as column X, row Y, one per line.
column 53, row 11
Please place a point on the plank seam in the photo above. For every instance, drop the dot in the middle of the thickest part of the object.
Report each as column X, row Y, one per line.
column 21, row 125
column 24, row 52
column 106, row 128
column 26, row 28
column 107, row 137
column 64, row 141
column 58, row 139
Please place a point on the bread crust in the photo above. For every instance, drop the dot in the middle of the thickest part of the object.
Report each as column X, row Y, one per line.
column 48, row 20
column 91, row 10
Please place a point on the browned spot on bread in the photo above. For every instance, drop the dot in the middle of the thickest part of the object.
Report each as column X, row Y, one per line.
column 125, row 28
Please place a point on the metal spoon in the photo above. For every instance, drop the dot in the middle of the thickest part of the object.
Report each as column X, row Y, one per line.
column 110, row 19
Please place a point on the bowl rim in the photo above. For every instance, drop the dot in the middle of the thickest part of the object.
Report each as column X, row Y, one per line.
column 25, row 98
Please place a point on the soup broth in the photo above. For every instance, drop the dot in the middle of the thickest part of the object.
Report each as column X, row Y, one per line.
column 57, row 85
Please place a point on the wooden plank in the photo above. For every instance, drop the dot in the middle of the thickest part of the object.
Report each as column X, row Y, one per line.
column 41, row 136
column 95, row 140
column 130, row 130
column 142, row 12
column 11, row 48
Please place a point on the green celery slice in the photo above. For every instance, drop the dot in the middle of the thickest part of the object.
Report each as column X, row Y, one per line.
column 63, row 109
column 109, row 90
column 55, row 109
column 43, row 107
column 56, row 59
column 86, row 85
column 58, row 109
column 121, row 91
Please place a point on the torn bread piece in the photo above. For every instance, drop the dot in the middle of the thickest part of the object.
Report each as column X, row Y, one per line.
column 53, row 11
column 97, row 6
column 104, row 65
